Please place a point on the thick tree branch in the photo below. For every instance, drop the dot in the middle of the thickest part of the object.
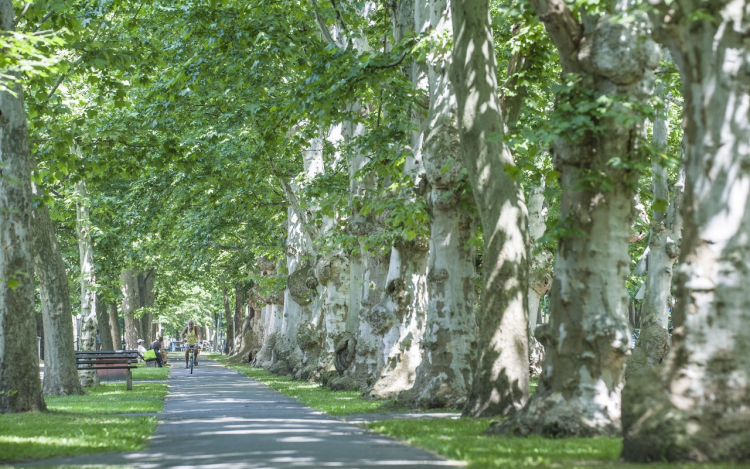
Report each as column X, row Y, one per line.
column 322, row 24
column 563, row 29
column 23, row 13
column 46, row 17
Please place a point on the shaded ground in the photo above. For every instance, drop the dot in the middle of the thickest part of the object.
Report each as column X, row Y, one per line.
column 218, row 418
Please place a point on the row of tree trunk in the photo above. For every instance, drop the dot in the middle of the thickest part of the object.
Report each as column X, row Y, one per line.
column 369, row 312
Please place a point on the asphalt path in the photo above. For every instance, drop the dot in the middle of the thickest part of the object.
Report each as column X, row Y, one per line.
column 217, row 418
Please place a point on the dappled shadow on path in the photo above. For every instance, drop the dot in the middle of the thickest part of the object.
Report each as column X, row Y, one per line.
column 217, row 418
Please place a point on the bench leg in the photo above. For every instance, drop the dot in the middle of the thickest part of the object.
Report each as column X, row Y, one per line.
column 129, row 380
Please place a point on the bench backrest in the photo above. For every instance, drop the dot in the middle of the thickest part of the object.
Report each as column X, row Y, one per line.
column 112, row 356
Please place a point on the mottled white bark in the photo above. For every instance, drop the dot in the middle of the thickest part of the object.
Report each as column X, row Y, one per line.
column 20, row 388
column 301, row 295
column 540, row 273
column 60, row 373
column 665, row 231
column 88, row 278
column 587, row 337
column 402, row 310
column 500, row 384
column 697, row 406
column 443, row 378
column 540, row 269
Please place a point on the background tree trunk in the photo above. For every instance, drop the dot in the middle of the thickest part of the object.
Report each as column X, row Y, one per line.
column 664, row 248
column 146, row 300
column 102, row 316
column 114, row 327
column 88, row 279
column 19, row 363
column 130, row 303
column 60, row 373
column 500, row 384
column 228, row 348
column 697, row 407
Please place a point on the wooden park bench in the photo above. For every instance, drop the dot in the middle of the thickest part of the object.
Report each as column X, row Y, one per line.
column 109, row 363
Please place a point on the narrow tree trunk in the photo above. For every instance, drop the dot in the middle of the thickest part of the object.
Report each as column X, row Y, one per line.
column 60, row 373
column 239, row 302
column 228, row 348
column 114, row 325
column 664, row 241
column 130, row 303
column 20, row 388
column 697, row 406
column 102, row 316
column 88, row 276
column 501, row 381
column 146, row 300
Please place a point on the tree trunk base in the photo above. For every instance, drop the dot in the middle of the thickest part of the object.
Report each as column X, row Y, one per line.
column 659, row 426
column 550, row 414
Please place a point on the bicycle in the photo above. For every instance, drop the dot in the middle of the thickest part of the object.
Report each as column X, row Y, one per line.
column 191, row 358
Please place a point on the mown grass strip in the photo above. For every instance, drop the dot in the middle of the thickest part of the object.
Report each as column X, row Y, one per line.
column 464, row 440
column 143, row 373
column 83, row 424
column 113, row 398
column 313, row 394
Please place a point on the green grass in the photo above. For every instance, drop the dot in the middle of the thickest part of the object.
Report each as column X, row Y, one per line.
column 83, row 424
column 113, row 398
column 142, row 373
column 464, row 440
column 313, row 394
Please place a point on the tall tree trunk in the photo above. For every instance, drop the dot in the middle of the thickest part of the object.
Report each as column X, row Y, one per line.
column 500, row 384
column 587, row 337
column 102, row 316
column 114, row 325
column 88, row 278
column 228, row 348
column 20, row 388
column 239, row 302
column 540, row 274
column 146, row 297
column 60, row 373
column 130, row 303
column 540, row 270
column 444, row 376
column 664, row 248
column 697, row 406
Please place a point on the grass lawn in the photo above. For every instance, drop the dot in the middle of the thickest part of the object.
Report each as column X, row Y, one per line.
column 312, row 394
column 464, row 439
column 319, row 397
column 83, row 424
column 142, row 373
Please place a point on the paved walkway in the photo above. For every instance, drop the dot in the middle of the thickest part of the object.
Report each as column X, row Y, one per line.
column 218, row 418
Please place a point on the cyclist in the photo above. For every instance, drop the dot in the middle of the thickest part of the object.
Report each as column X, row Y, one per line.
column 191, row 335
